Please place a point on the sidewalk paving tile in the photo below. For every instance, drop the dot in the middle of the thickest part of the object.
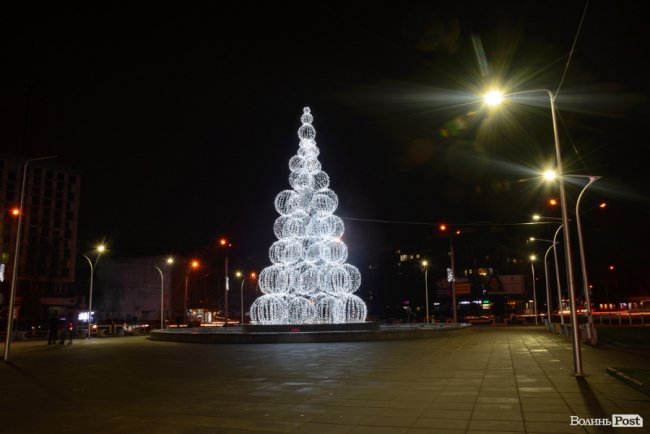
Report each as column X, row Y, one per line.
column 490, row 380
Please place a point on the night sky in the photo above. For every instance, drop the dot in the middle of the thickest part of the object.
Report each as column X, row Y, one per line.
column 182, row 117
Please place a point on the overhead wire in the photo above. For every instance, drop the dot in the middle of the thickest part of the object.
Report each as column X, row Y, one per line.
column 481, row 223
column 557, row 91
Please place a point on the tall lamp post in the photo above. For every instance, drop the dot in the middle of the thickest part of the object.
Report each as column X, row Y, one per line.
column 425, row 266
column 549, row 305
column 495, row 98
column 557, row 267
column 193, row 266
column 549, row 175
column 533, row 258
column 100, row 249
column 14, row 274
column 239, row 274
column 170, row 261
column 225, row 244
column 583, row 263
column 452, row 277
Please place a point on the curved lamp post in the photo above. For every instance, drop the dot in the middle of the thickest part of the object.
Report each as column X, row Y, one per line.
column 549, row 306
column 169, row 261
column 100, row 249
column 240, row 275
column 495, row 98
column 557, row 267
column 14, row 274
column 583, row 263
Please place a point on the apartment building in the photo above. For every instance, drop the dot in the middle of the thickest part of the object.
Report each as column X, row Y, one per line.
column 46, row 267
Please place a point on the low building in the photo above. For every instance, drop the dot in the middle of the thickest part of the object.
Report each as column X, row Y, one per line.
column 130, row 289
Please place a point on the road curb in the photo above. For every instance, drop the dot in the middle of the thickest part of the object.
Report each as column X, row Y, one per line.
column 614, row 372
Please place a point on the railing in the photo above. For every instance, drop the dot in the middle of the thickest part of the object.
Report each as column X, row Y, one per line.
column 81, row 331
column 619, row 319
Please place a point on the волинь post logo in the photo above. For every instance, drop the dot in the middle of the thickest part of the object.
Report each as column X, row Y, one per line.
column 616, row 421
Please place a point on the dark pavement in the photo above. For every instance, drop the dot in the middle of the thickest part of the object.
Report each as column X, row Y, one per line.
column 491, row 380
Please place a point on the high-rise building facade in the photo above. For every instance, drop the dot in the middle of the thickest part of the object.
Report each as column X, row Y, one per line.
column 50, row 212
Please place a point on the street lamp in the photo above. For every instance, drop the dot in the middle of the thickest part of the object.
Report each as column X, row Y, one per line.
column 170, row 261
column 583, row 263
column 548, row 286
column 17, row 212
column 533, row 258
column 193, row 266
column 225, row 244
column 549, row 175
column 425, row 266
column 452, row 277
column 100, row 249
column 240, row 275
column 490, row 99
column 537, row 217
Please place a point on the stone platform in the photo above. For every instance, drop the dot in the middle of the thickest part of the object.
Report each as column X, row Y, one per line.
column 302, row 333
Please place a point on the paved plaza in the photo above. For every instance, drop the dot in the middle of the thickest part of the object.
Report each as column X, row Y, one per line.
column 489, row 380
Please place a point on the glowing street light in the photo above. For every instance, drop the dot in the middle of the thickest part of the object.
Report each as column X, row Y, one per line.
column 492, row 99
column 549, row 175
column 549, row 305
column 15, row 212
column 533, row 258
column 537, row 217
column 443, row 228
column 425, row 267
column 240, row 275
column 583, row 263
column 99, row 249
column 169, row 261
column 225, row 244
column 194, row 265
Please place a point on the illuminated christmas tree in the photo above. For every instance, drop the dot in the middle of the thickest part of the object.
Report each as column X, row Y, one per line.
column 308, row 281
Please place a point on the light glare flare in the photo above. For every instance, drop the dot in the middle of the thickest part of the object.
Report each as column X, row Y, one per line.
column 493, row 98
column 550, row 175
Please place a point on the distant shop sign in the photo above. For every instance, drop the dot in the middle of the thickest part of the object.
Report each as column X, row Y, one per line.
column 57, row 301
column 505, row 284
column 462, row 286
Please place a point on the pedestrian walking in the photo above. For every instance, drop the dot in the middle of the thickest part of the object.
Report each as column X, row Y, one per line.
column 71, row 330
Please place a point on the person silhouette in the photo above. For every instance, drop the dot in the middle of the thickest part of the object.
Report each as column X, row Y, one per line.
column 70, row 330
column 52, row 332
column 63, row 324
